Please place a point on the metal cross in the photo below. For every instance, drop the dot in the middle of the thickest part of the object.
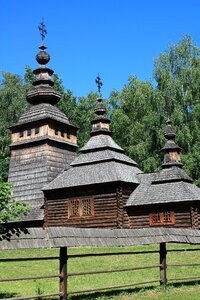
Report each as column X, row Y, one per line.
column 99, row 83
column 42, row 29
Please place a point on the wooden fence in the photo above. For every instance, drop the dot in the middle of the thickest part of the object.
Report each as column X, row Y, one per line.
column 64, row 275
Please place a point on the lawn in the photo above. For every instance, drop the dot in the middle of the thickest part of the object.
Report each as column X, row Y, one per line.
column 179, row 290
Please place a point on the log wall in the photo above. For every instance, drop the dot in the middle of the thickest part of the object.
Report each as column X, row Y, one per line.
column 139, row 217
column 105, row 209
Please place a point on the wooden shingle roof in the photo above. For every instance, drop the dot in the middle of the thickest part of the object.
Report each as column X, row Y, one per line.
column 55, row 237
column 101, row 142
column 168, row 186
column 42, row 111
column 101, row 161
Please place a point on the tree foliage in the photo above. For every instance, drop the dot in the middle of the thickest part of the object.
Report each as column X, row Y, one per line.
column 10, row 209
column 135, row 123
column 138, row 112
column 177, row 72
column 12, row 105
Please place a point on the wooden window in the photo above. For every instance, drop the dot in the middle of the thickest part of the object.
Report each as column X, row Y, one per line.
column 87, row 207
column 74, row 208
column 80, row 207
column 37, row 130
column 28, row 131
column 162, row 218
column 21, row 133
column 167, row 217
column 156, row 218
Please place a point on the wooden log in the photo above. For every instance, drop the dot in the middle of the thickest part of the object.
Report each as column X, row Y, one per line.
column 63, row 273
column 163, row 267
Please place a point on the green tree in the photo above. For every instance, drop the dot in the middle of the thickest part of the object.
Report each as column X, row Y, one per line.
column 84, row 114
column 135, row 123
column 10, row 209
column 12, row 105
column 177, row 73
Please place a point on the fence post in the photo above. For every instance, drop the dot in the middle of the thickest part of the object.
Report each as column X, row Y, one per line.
column 63, row 273
column 163, row 267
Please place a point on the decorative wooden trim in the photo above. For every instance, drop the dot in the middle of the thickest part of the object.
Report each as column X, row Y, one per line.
column 162, row 218
column 81, row 210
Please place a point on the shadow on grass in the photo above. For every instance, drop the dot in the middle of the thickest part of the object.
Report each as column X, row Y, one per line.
column 7, row 295
column 183, row 283
column 112, row 293
column 115, row 292
column 122, row 292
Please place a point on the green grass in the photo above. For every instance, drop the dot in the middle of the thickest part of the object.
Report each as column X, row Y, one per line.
column 179, row 290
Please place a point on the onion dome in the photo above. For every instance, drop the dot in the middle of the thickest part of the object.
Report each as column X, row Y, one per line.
column 43, row 91
column 100, row 124
column 171, row 149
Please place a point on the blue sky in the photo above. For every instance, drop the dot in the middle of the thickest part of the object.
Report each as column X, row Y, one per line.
column 115, row 38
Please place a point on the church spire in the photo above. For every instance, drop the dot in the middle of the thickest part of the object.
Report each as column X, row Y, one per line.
column 100, row 124
column 43, row 91
column 171, row 149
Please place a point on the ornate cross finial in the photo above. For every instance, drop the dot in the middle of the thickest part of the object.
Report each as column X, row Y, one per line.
column 99, row 83
column 42, row 29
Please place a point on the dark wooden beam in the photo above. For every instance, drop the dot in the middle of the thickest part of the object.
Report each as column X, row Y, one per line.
column 163, row 264
column 63, row 273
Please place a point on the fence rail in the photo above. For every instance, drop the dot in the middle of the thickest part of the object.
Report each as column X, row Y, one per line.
column 64, row 274
column 29, row 278
column 113, row 287
column 112, row 271
column 28, row 259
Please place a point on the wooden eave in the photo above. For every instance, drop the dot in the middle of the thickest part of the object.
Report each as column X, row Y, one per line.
column 39, row 140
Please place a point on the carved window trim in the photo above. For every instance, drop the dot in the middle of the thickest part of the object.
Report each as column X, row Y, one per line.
column 162, row 218
column 81, row 207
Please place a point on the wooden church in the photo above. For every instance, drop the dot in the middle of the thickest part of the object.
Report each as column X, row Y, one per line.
column 101, row 187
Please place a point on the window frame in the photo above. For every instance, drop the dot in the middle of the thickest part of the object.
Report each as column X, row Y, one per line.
column 37, row 130
column 161, row 215
column 21, row 133
column 80, row 202
column 29, row 132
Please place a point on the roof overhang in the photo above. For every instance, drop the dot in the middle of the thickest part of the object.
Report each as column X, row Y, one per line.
column 55, row 237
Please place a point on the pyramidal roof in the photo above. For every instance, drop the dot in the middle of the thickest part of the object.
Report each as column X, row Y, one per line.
column 171, row 184
column 101, row 160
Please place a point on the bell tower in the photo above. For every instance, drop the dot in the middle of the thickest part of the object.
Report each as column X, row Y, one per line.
column 43, row 141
